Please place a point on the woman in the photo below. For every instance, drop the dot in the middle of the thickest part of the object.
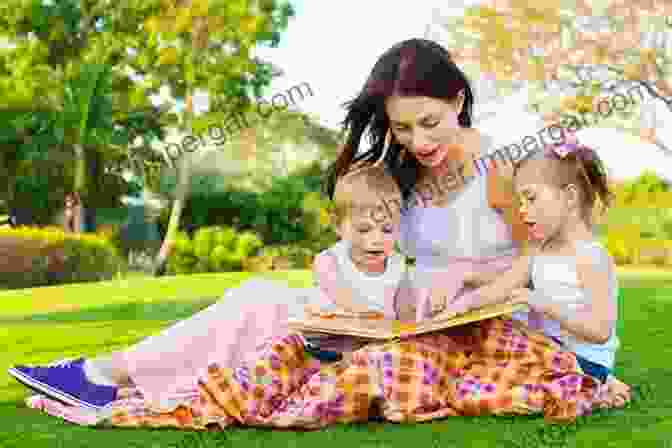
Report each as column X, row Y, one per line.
column 418, row 100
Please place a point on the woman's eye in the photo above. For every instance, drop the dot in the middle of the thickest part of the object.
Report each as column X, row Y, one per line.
column 432, row 124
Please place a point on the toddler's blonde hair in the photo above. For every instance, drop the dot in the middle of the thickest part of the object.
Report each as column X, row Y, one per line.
column 365, row 187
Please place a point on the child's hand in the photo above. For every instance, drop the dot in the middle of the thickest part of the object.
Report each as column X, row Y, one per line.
column 520, row 295
column 314, row 310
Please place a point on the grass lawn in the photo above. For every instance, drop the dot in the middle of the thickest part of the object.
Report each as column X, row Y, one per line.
column 45, row 324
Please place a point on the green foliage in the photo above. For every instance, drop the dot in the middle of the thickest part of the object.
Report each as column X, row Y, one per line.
column 87, row 106
column 65, row 80
column 136, row 234
column 50, row 256
column 213, row 249
column 290, row 212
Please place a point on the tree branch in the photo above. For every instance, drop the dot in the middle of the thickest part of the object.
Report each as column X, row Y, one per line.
column 648, row 87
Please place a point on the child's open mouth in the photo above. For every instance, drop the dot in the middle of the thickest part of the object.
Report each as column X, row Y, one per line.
column 374, row 253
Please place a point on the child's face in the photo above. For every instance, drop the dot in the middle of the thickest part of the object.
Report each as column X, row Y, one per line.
column 371, row 233
column 544, row 208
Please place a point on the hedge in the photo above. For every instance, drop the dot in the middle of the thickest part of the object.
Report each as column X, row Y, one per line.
column 33, row 256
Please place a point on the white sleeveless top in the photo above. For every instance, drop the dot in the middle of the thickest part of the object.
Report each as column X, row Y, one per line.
column 466, row 235
column 466, row 228
column 368, row 289
column 555, row 278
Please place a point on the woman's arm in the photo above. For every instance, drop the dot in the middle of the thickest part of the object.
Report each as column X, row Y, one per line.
column 325, row 272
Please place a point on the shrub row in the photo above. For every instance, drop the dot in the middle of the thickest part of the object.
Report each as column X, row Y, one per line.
column 222, row 249
column 33, row 257
column 212, row 249
column 627, row 246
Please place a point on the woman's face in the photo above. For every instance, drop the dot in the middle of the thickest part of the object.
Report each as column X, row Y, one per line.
column 427, row 127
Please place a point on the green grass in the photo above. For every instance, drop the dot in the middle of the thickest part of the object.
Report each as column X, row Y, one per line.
column 45, row 324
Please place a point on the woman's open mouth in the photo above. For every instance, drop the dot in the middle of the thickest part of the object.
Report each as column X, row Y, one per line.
column 428, row 155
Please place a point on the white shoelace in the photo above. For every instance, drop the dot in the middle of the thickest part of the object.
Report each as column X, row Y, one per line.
column 62, row 362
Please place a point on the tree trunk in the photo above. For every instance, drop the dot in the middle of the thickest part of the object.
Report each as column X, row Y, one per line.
column 199, row 40
column 183, row 184
column 80, row 185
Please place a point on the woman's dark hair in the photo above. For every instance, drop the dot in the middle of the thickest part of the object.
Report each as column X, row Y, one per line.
column 414, row 67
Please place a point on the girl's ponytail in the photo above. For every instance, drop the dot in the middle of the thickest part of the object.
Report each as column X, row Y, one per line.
column 590, row 169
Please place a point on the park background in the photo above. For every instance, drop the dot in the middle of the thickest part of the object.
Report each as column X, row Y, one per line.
column 91, row 95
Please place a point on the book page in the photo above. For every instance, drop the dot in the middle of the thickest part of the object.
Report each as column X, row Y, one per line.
column 384, row 329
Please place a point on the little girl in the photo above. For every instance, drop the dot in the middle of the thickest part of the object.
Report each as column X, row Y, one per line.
column 574, row 300
column 359, row 274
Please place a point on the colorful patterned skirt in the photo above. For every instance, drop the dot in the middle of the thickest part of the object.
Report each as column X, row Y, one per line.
column 493, row 367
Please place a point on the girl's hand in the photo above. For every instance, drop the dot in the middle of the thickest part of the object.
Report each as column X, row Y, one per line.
column 520, row 295
column 476, row 279
column 438, row 299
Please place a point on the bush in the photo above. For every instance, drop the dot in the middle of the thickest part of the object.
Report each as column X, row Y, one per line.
column 136, row 234
column 49, row 256
column 627, row 245
column 213, row 249
column 290, row 212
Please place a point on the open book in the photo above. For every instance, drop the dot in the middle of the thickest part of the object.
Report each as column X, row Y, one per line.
column 375, row 327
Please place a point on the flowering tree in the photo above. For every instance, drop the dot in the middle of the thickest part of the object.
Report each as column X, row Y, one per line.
column 580, row 62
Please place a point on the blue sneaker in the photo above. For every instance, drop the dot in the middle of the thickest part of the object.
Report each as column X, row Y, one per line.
column 66, row 382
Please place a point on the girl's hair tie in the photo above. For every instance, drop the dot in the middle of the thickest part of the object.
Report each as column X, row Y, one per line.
column 571, row 145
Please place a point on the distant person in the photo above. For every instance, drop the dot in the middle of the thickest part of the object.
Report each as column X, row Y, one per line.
column 72, row 214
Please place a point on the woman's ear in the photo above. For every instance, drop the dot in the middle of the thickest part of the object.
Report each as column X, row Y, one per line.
column 459, row 102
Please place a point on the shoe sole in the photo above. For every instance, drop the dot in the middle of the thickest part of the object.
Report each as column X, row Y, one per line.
column 56, row 394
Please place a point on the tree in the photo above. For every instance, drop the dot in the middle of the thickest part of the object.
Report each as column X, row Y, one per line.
column 62, row 67
column 147, row 44
column 574, row 59
column 206, row 44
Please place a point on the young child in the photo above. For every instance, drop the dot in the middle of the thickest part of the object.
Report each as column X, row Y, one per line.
column 359, row 274
column 574, row 295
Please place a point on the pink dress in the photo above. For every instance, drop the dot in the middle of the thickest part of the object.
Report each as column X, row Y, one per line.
column 236, row 330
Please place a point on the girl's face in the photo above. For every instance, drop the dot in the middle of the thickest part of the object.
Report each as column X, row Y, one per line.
column 546, row 209
column 371, row 235
column 427, row 127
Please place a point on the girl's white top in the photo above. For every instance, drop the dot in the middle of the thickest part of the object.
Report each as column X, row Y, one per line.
column 556, row 280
